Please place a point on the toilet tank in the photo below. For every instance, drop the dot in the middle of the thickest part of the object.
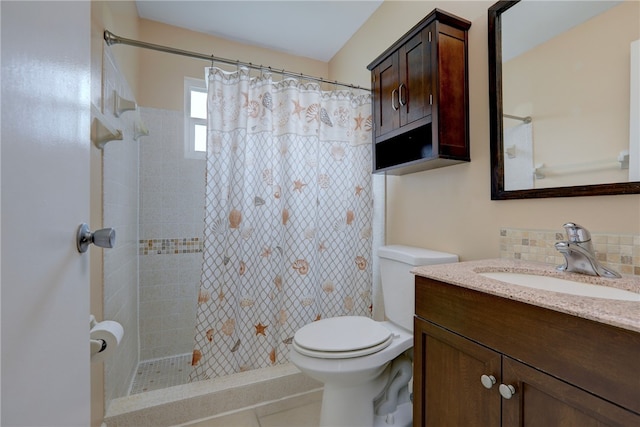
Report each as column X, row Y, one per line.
column 398, row 284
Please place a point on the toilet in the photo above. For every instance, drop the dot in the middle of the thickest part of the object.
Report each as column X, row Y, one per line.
column 366, row 365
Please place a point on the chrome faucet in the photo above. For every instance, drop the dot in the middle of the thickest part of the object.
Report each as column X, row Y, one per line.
column 579, row 254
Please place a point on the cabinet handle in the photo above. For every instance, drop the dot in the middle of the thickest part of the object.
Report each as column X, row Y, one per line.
column 401, row 99
column 488, row 381
column 393, row 96
column 507, row 391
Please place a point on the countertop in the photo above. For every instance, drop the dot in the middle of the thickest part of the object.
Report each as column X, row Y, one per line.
column 622, row 314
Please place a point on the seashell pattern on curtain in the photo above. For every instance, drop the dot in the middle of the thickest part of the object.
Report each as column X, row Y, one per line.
column 289, row 211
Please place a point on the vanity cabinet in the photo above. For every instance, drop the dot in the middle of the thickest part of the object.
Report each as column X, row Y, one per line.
column 484, row 360
column 420, row 97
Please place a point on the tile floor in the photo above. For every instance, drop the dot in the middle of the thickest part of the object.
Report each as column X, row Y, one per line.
column 302, row 416
column 161, row 373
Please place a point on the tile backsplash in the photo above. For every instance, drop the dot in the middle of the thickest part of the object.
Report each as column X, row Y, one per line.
column 618, row 251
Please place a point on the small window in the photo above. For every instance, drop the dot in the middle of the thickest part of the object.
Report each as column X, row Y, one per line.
column 198, row 104
column 195, row 118
column 200, row 138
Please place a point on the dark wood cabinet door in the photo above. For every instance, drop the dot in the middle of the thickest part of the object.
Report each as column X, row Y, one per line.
column 415, row 78
column 541, row 400
column 447, row 380
column 452, row 100
column 386, row 98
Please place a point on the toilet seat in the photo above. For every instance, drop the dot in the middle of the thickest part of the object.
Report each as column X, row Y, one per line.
column 342, row 354
column 342, row 337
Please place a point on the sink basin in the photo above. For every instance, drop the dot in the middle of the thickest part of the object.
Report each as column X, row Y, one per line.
column 555, row 284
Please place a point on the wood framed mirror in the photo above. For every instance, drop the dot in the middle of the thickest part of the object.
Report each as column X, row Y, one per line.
column 534, row 94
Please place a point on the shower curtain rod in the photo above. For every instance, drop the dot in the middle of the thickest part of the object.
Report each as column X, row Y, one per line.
column 523, row 119
column 112, row 39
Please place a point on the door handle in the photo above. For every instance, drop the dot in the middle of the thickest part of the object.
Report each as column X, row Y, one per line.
column 105, row 238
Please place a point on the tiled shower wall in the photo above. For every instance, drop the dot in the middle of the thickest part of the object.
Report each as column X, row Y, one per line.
column 170, row 242
column 618, row 251
column 120, row 211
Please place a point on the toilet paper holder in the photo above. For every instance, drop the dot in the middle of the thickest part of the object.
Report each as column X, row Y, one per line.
column 97, row 346
column 104, row 338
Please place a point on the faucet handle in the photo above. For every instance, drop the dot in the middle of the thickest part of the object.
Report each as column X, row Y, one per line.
column 576, row 233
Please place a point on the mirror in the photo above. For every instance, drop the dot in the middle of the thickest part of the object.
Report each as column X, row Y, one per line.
column 564, row 95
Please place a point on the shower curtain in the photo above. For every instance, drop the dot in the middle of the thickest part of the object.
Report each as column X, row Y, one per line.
column 288, row 226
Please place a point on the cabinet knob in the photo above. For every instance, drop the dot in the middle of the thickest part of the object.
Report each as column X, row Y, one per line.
column 507, row 391
column 488, row 381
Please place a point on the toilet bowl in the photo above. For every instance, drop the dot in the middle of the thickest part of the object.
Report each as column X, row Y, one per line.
column 365, row 365
column 352, row 377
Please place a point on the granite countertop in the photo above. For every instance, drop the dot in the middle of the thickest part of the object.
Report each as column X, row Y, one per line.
column 623, row 314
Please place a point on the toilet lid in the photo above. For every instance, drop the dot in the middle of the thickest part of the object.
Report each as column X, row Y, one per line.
column 356, row 335
column 342, row 354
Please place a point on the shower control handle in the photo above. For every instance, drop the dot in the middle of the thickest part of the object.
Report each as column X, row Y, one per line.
column 105, row 238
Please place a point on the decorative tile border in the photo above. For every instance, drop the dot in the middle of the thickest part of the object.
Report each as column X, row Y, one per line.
column 170, row 246
column 618, row 251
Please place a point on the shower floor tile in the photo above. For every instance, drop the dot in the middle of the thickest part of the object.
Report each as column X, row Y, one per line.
column 161, row 373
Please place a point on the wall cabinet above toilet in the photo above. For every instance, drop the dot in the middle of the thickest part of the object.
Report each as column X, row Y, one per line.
column 421, row 100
